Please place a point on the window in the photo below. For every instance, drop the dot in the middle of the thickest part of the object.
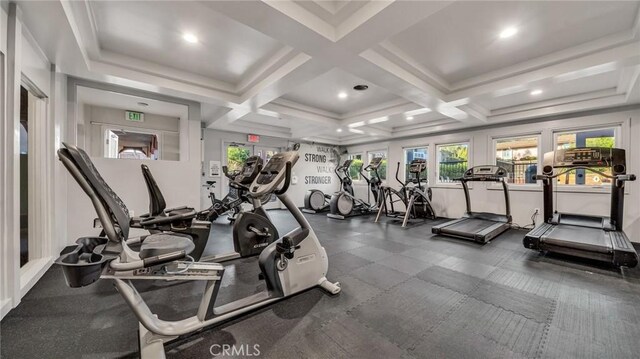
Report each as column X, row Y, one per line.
column 236, row 156
column 128, row 144
column 519, row 156
column 605, row 137
column 452, row 161
column 382, row 170
column 356, row 164
column 411, row 154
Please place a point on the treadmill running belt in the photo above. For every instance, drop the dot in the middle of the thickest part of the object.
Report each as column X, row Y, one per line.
column 468, row 227
column 589, row 239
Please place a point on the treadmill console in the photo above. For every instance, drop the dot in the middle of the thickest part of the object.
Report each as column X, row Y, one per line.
column 418, row 165
column 485, row 173
column 375, row 162
column 273, row 173
column 586, row 157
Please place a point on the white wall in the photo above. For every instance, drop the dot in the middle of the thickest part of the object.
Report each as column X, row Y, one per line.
column 178, row 180
column 316, row 164
column 25, row 61
column 448, row 200
column 96, row 117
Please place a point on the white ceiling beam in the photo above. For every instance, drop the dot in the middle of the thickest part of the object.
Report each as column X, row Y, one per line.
column 632, row 94
column 294, row 113
column 257, row 74
column 614, row 40
column 554, row 102
column 371, row 66
column 615, row 58
column 293, row 73
column 563, row 108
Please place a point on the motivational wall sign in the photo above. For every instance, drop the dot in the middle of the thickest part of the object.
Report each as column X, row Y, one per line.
column 323, row 163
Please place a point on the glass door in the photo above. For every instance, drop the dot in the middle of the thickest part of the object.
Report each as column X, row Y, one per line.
column 235, row 154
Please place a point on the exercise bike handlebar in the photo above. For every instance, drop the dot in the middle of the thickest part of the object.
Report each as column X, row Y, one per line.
column 287, row 180
column 154, row 221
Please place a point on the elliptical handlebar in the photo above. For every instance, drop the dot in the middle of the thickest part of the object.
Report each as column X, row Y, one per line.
column 361, row 169
column 403, row 184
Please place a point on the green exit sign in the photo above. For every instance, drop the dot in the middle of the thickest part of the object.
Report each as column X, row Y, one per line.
column 134, row 116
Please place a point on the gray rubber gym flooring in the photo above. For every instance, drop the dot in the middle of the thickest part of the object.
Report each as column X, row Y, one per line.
column 405, row 294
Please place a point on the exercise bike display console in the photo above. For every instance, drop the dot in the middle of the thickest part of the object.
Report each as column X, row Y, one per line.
column 479, row 226
column 592, row 237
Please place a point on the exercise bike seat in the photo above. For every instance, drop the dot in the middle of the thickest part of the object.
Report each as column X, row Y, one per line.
column 210, row 183
column 163, row 243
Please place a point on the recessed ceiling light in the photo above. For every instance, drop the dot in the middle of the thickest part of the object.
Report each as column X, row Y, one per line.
column 342, row 95
column 508, row 32
column 409, row 118
column 360, row 87
column 190, row 38
column 536, row 92
column 143, row 104
column 339, row 130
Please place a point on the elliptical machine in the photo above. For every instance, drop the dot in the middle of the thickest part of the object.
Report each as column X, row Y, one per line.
column 344, row 204
column 416, row 199
column 290, row 265
column 316, row 201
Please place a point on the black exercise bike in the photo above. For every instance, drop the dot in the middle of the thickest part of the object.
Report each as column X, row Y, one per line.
column 238, row 191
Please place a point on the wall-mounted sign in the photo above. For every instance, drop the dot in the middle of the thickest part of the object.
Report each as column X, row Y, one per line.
column 134, row 116
column 253, row 138
column 214, row 168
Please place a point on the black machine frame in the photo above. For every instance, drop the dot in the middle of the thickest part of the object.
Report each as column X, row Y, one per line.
column 481, row 227
column 592, row 237
column 416, row 199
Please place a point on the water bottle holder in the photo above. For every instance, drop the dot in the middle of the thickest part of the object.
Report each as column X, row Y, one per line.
column 82, row 263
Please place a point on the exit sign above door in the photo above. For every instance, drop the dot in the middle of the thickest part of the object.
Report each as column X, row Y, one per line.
column 134, row 116
column 253, row 138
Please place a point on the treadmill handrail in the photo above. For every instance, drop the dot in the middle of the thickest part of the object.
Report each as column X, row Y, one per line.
column 505, row 189
column 616, row 216
column 624, row 177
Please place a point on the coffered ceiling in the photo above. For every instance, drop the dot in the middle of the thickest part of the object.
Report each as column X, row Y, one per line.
column 288, row 68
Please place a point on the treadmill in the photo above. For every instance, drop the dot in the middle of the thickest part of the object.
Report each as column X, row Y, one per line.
column 481, row 227
column 592, row 237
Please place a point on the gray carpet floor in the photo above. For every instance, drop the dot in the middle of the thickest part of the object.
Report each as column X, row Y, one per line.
column 405, row 294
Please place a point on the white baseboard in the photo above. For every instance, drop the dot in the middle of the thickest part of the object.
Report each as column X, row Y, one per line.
column 5, row 307
column 31, row 272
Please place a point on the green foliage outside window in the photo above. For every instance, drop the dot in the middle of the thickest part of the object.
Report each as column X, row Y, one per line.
column 236, row 156
column 452, row 161
column 356, row 164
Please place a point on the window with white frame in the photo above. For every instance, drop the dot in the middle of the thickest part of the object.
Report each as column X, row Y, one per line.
column 453, row 161
column 519, row 156
column 356, row 163
column 600, row 137
column 411, row 154
column 382, row 170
